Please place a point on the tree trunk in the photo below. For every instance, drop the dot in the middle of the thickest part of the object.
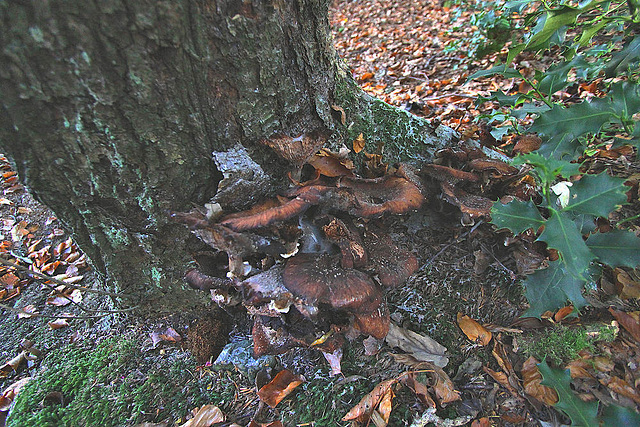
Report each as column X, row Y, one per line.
column 111, row 111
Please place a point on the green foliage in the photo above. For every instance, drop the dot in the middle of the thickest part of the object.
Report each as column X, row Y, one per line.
column 581, row 413
column 571, row 200
column 112, row 384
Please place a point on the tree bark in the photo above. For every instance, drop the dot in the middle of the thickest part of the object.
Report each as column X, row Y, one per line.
column 111, row 111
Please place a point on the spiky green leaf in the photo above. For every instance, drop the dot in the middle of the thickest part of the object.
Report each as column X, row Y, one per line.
column 516, row 215
column 554, row 20
column 551, row 288
column 561, row 233
column 614, row 415
column 501, row 69
column 584, row 414
column 576, row 120
column 548, row 169
column 618, row 248
column 596, row 195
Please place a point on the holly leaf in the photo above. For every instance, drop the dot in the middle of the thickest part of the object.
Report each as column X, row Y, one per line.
column 561, row 233
column 555, row 20
column 548, row 169
column 596, row 195
column 516, row 215
column 617, row 248
column 501, row 69
column 551, row 288
column 576, row 120
column 625, row 99
column 614, row 415
column 581, row 413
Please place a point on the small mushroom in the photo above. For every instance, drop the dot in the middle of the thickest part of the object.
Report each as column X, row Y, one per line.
column 317, row 280
column 497, row 166
column 251, row 220
column 470, row 205
column 389, row 194
column 447, row 174
column 393, row 264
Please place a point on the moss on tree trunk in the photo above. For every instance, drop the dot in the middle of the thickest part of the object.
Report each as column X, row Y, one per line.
column 111, row 111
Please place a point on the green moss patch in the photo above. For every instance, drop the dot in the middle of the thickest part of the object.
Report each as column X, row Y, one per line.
column 115, row 384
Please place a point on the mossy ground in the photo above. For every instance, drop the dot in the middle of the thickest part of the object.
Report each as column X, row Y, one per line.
column 110, row 384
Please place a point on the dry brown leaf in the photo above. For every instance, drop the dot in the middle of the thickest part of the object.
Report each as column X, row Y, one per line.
column 579, row 368
column 10, row 393
column 630, row 321
column 343, row 115
column 421, row 391
column 419, row 346
column 502, row 379
column 58, row 324
column 382, row 414
column 27, row 311
column 13, row 364
column 531, row 379
column 443, row 387
column 629, row 284
column 334, row 361
column 253, row 423
column 481, row 422
column 206, row 416
column 474, row 330
column 279, row 387
column 358, row 144
column 562, row 313
column 363, row 410
column 329, row 164
column 620, row 386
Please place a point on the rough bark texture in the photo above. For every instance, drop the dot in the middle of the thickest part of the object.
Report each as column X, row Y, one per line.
column 112, row 109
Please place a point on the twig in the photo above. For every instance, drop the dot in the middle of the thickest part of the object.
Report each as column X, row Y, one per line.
column 48, row 316
column 39, row 275
column 448, row 245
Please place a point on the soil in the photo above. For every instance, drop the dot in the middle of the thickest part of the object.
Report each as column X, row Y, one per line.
column 463, row 268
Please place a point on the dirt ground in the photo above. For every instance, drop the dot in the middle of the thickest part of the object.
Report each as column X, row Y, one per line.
column 412, row 55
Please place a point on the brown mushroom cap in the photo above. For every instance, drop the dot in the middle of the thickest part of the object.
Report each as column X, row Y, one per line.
column 392, row 194
column 470, row 204
column 266, row 217
column 447, row 174
column 296, row 150
column 317, row 279
column 375, row 323
column 498, row 166
column 393, row 264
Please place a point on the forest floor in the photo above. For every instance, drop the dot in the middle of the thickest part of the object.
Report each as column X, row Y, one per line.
column 121, row 370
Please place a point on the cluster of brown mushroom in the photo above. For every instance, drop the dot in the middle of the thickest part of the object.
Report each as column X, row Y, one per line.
column 319, row 257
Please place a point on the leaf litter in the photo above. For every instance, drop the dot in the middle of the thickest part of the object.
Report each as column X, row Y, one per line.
column 409, row 69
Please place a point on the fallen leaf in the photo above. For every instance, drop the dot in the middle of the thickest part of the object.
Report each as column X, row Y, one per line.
column 343, row 115
column 474, row 330
column 358, row 144
column 482, row 422
column 58, row 324
column 502, row 379
column 420, row 390
column 329, row 164
column 444, row 387
column 9, row 394
column 206, row 416
column 27, row 311
column 562, row 313
column 334, row 361
column 622, row 387
column 531, row 382
column 419, row 346
column 13, row 364
column 253, row 423
column 629, row 321
column 283, row 384
column 363, row 410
